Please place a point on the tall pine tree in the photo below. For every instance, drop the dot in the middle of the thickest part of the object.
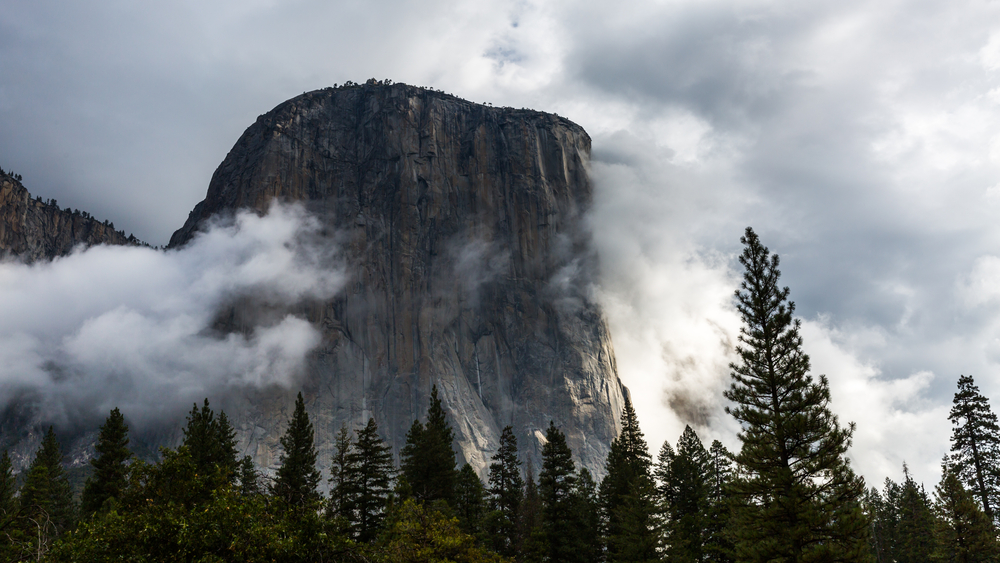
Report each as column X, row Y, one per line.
column 687, row 500
column 110, row 464
column 627, row 495
column 506, row 489
column 297, row 477
column 211, row 442
column 531, row 546
column 963, row 532
column 914, row 537
column 470, row 501
column 718, row 545
column 342, row 473
column 556, row 484
column 800, row 498
column 46, row 500
column 975, row 444
column 8, row 488
column 370, row 475
column 427, row 459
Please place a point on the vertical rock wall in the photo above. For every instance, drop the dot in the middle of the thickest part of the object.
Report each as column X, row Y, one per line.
column 462, row 228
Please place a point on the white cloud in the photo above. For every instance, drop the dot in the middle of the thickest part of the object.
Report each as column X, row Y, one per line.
column 133, row 327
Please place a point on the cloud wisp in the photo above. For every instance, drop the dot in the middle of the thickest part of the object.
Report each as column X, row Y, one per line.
column 140, row 329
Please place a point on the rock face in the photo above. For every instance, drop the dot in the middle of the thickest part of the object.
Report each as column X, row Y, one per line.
column 32, row 229
column 462, row 226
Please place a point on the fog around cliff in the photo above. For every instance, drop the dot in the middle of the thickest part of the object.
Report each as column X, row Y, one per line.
column 857, row 138
column 132, row 327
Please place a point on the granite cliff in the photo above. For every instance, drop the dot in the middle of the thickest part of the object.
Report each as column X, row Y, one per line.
column 462, row 227
column 32, row 229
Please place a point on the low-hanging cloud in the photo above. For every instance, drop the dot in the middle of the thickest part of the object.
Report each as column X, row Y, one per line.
column 137, row 328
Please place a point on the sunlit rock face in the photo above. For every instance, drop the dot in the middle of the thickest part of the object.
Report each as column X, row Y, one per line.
column 462, row 229
column 32, row 229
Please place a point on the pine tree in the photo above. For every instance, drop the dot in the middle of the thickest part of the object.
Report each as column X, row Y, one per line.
column 963, row 532
column 627, row 494
column 427, row 458
column 585, row 508
column 297, row 478
column 211, row 443
column 915, row 529
column 8, row 488
column 718, row 546
column 975, row 443
column 530, row 535
column 370, row 466
column 555, row 487
column 46, row 500
column 110, row 464
column 688, row 500
column 342, row 473
column 9, row 535
column 249, row 478
column 506, row 491
column 470, row 501
column 800, row 498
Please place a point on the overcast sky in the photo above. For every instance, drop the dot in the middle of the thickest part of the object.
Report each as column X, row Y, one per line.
column 859, row 139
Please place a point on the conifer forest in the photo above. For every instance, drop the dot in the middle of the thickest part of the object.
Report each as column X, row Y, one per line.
column 788, row 494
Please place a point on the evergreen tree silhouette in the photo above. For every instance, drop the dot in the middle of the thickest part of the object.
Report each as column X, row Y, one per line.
column 975, row 444
column 506, row 489
column 627, row 494
column 799, row 498
column 427, row 458
column 297, row 477
column 110, row 476
column 371, row 468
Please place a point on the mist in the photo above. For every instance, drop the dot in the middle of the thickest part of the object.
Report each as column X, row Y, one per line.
column 135, row 328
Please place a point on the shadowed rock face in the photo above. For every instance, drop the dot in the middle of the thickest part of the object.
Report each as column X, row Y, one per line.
column 32, row 230
column 462, row 229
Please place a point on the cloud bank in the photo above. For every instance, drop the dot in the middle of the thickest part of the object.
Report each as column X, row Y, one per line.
column 139, row 328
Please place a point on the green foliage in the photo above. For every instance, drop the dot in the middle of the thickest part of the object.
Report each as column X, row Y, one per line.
column 627, row 495
column 799, row 498
column 46, row 501
column 585, row 507
column 506, row 491
column 718, row 545
column 110, row 464
column 687, row 500
column 915, row 529
column 417, row 534
column 342, row 493
column 227, row 527
column 370, row 463
column 963, row 532
column 470, row 501
column 975, row 444
column 297, row 478
column 249, row 478
column 531, row 547
column 557, row 485
column 211, row 442
column 8, row 508
column 427, row 459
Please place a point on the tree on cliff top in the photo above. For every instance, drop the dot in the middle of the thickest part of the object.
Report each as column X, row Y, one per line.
column 801, row 500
